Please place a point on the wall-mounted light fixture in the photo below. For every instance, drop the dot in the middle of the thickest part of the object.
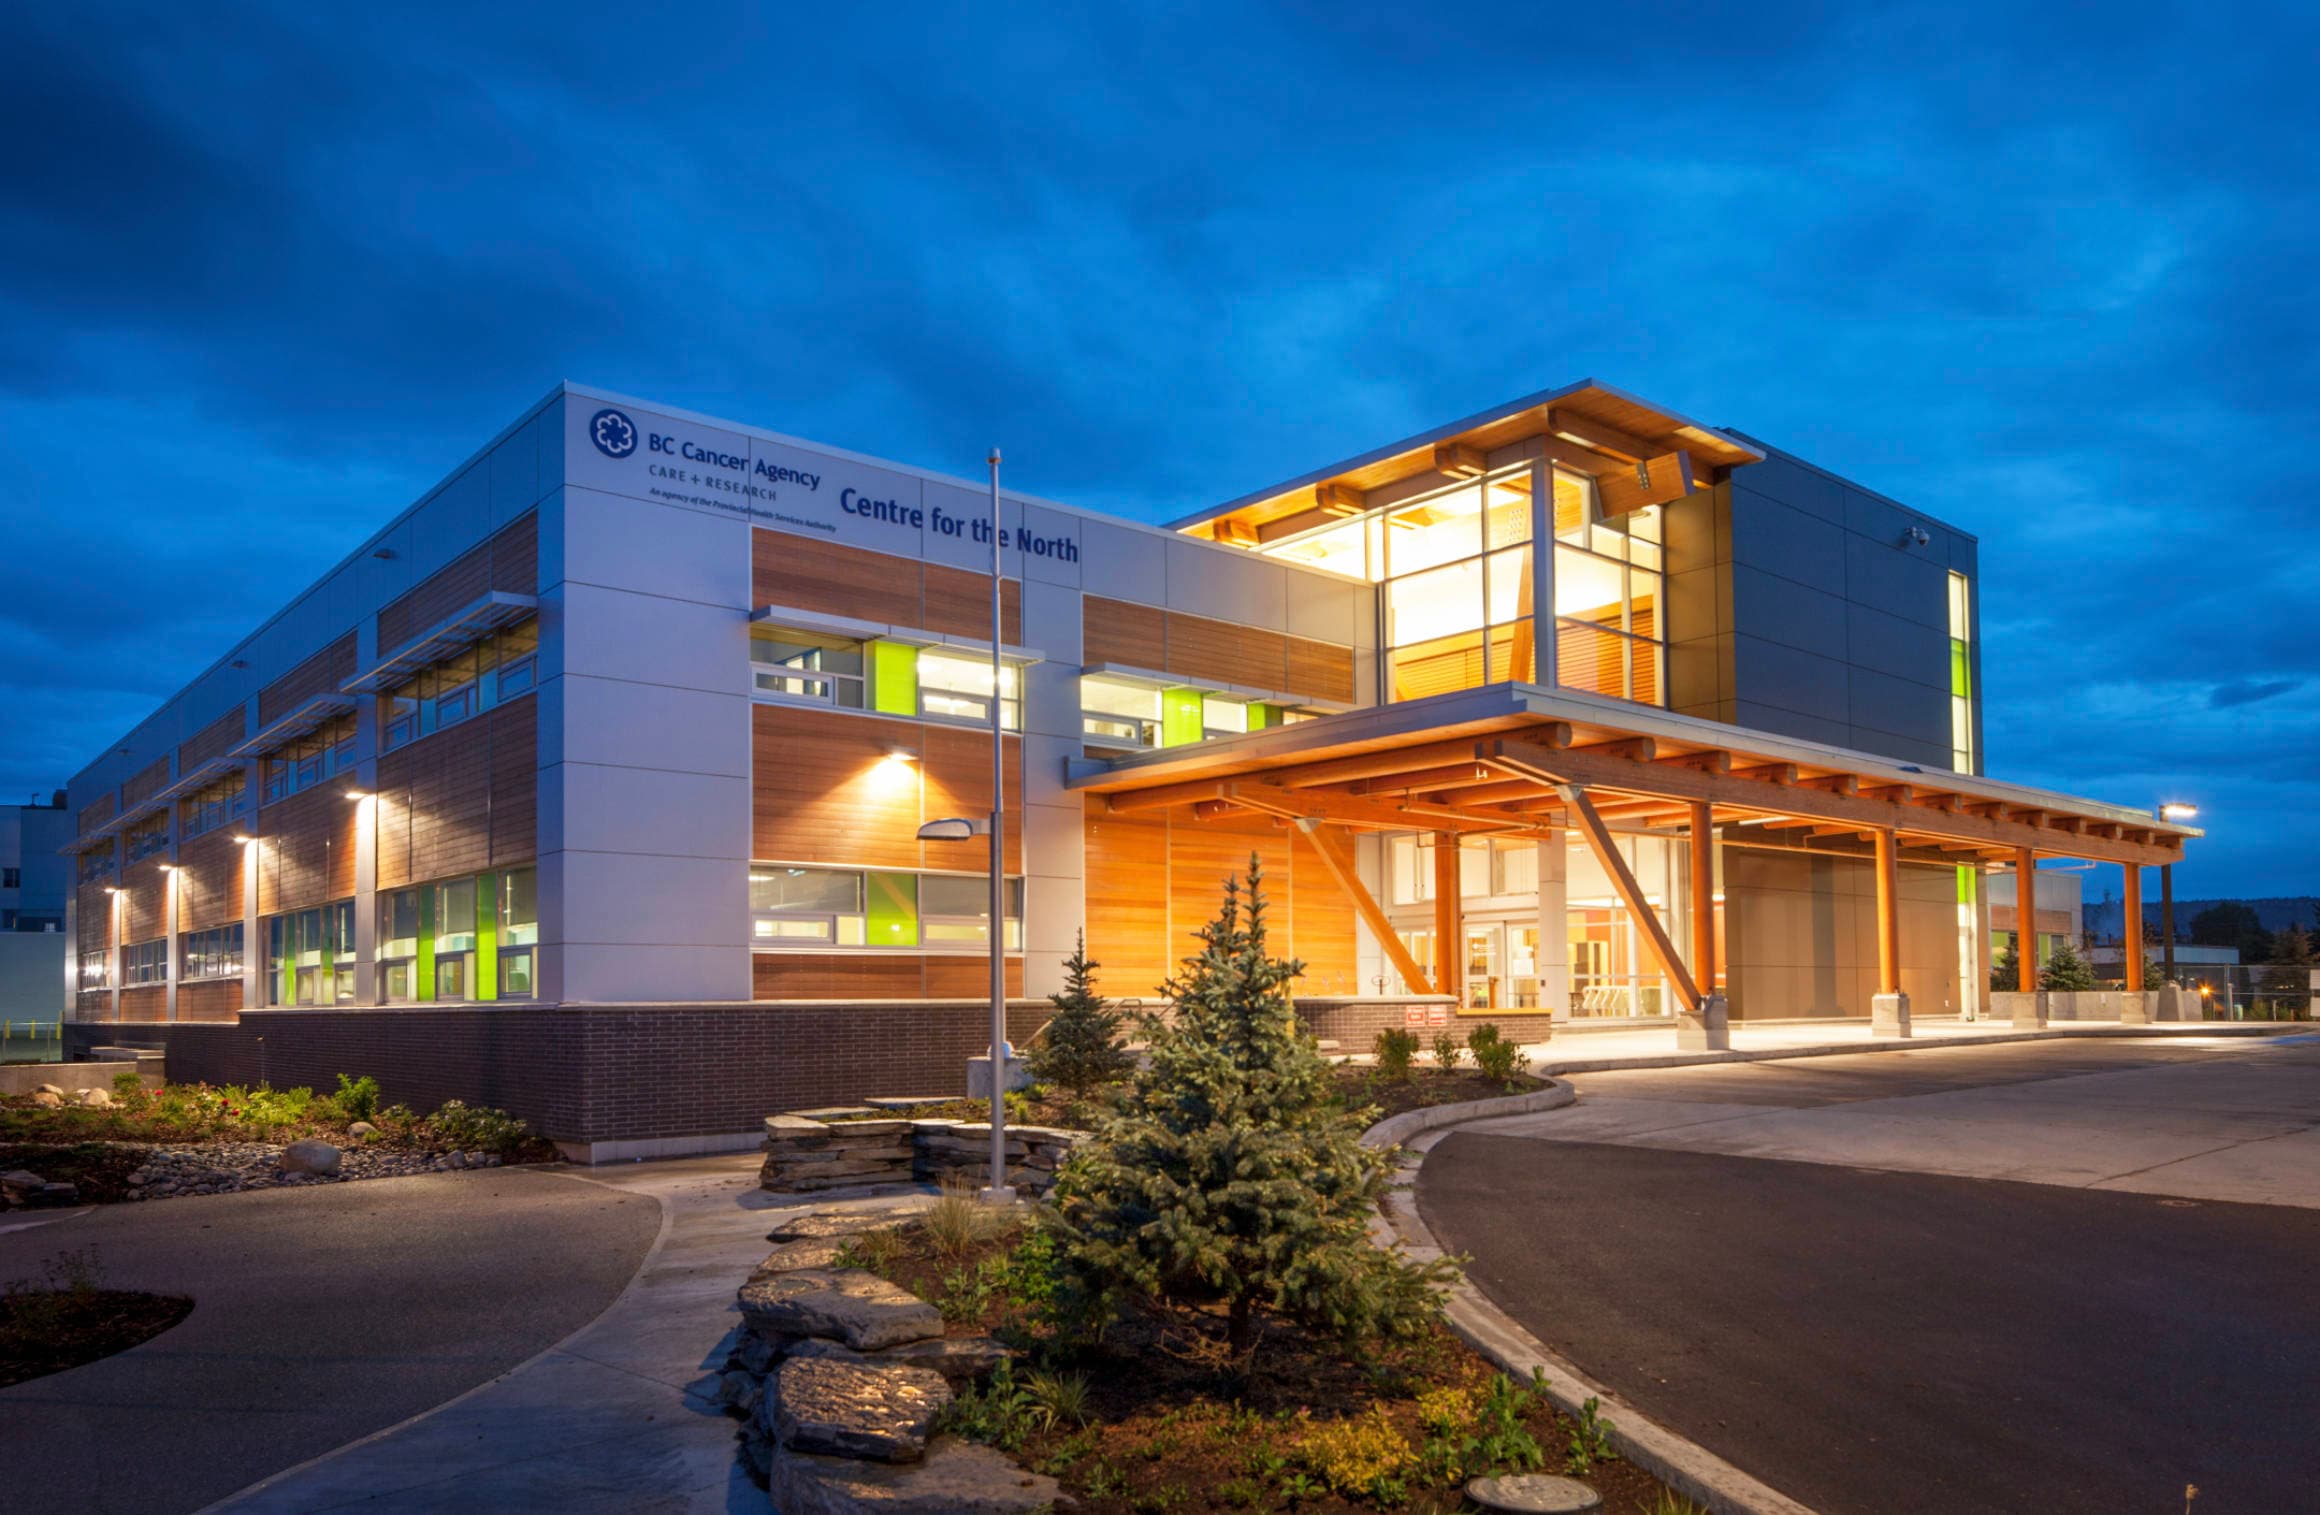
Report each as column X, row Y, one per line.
column 1916, row 536
column 358, row 794
column 2177, row 810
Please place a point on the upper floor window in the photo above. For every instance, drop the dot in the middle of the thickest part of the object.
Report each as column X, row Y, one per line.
column 211, row 954
column 468, row 682
column 1610, row 574
column 214, row 805
column 11, row 878
column 148, row 837
column 145, row 963
column 850, row 907
column 307, row 761
column 96, row 863
column 802, row 665
column 1961, row 674
column 888, row 677
column 1121, row 711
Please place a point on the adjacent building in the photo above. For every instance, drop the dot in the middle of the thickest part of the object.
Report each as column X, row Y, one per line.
column 591, row 785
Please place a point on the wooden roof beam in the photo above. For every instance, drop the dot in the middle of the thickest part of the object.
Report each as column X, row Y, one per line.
column 1375, row 765
column 1832, row 783
column 1627, row 448
column 1636, row 749
column 1459, row 460
column 1783, row 774
column 1948, row 804
column 1712, row 760
column 1896, row 794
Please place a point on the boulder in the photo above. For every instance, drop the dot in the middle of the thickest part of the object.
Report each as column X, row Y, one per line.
column 820, row 1225
column 94, row 1099
column 308, row 1156
column 362, row 1130
column 839, row 1304
column 814, row 1252
column 959, row 1359
column 955, row 1478
column 55, row 1089
column 852, row 1409
column 47, row 1099
column 21, row 1179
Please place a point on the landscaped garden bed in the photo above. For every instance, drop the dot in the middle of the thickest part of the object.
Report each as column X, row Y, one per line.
column 69, row 1318
column 132, row 1143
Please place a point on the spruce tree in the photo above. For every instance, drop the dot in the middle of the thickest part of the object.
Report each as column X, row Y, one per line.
column 1230, row 1175
column 1079, row 1048
column 2003, row 970
column 2065, row 970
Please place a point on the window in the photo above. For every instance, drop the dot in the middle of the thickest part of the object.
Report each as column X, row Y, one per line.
column 1486, row 866
column 215, row 953
column 310, row 956
column 214, row 805
column 148, row 837
column 1118, row 713
column 96, row 863
column 802, row 665
column 399, row 944
column 956, row 686
column 845, row 907
column 466, row 683
column 145, row 963
column 1608, row 577
column 519, row 932
column 96, row 970
column 306, row 761
column 1961, row 675
column 474, row 938
column 455, row 939
column 11, row 878
column 1459, row 594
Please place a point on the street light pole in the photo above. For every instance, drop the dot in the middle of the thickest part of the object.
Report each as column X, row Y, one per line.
column 998, row 1189
column 2170, row 810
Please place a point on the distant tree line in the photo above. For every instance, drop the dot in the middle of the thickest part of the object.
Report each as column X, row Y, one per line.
column 2230, row 923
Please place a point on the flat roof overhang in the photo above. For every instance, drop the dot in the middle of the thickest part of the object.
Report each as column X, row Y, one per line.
column 1587, row 426
column 1492, row 760
column 471, row 623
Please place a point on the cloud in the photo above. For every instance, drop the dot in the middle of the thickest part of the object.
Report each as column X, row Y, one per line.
column 2247, row 692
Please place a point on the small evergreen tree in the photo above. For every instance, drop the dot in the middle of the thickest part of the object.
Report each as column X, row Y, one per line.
column 2065, row 969
column 2292, row 945
column 2004, row 977
column 1079, row 1048
column 1230, row 1175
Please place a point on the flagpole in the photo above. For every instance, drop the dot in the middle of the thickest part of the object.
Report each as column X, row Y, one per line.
column 998, row 1189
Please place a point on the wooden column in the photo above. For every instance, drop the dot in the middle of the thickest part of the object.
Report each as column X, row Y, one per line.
column 1888, row 915
column 1704, row 897
column 1589, row 824
column 2134, row 936
column 1338, row 859
column 2025, row 920
column 1449, row 930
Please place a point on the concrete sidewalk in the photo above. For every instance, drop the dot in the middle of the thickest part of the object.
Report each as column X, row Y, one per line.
column 1581, row 1050
column 599, row 1422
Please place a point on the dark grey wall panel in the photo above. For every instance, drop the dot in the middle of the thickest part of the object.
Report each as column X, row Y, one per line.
column 1782, row 610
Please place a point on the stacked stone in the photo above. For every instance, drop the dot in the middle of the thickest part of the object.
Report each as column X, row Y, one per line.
column 946, row 1147
column 839, row 1376
column 803, row 1155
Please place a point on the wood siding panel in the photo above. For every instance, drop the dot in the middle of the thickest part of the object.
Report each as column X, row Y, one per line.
column 98, row 811
column 1127, row 902
column 959, row 603
column 825, row 791
column 1221, row 652
column 822, row 576
column 462, row 799
column 210, row 873
column 509, row 559
column 515, row 782
column 92, row 921
column 321, row 673
column 957, row 767
column 306, row 850
column 214, row 740
column 210, row 1000
column 140, row 903
column 146, row 1002
column 906, row 976
column 93, row 1006
column 1321, row 926
column 150, row 779
column 1320, row 670
column 968, row 977
column 1115, row 631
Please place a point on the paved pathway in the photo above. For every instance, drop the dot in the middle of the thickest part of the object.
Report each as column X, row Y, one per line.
column 1879, row 1321
column 320, row 1315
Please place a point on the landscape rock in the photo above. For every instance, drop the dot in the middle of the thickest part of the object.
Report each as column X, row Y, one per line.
column 21, row 1178
column 960, row 1360
column 813, row 1252
column 47, row 1099
column 852, row 1409
column 955, row 1478
column 362, row 1130
column 844, row 1304
column 94, row 1099
column 821, row 1225
column 309, row 1156
column 55, row 1089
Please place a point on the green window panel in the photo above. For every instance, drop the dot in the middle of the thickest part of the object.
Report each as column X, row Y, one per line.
column 1263, row 716
column 1960, row 671
column 1181, row 717
column 893, row 912
column 426, row 985
column 1969, row 886
column 893, row 678
column 487, row 936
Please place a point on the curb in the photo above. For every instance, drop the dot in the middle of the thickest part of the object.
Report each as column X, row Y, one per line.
column 1682, row 1464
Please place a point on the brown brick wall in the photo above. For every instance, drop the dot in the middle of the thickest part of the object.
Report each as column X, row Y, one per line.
column 319, row 674
column 214, row 740
column 209, row 881
column 461, row 800
column 306, row 850
column 811, row 574
column 509, row 560
column 150, row 779
column 604, row 1074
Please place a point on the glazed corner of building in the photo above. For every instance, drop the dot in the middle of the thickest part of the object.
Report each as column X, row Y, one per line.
column 631, row 778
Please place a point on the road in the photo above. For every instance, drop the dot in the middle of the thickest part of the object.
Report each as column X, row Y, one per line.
column 320, row 1315
column 2009, row 1279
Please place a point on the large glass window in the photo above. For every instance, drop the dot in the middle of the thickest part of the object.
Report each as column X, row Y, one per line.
column 455, row 939
column 956, row 686
column 96, row 970
column 847, row 907
column 148, row 837
column 1961, row 675
column 474, row 938
column 804, row 665
column 145, row 963
column 310, row 759
column 310, row 956
column 474, row 679
column 214, row 805
column 215, row 953
column 519, row 932
column 1118, row 713
column 1609, row 634
column 1459, row 591
column 399, row 928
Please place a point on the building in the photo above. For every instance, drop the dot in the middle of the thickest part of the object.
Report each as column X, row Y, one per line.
column 35, row 883
column 2058, row 914
column 590, row 786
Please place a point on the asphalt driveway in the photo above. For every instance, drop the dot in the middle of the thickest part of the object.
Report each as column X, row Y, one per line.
column 1872, row 1321
column 320, row 1315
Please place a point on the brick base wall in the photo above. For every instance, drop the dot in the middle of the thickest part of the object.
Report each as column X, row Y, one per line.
column 602, row 1073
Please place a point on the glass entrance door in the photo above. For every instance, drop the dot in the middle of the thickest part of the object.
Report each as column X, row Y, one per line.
column 1485, row 965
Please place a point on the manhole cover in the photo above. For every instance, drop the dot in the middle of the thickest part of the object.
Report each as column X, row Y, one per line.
column 1532, row 1493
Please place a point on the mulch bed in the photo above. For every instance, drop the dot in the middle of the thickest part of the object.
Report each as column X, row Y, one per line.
column 45, row 1331
column 1170, row 1431
column 1360, row 1085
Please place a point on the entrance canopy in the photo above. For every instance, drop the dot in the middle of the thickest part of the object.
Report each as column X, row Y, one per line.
column 1505, row 758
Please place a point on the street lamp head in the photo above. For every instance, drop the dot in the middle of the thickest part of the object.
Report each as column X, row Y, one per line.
column 2177, row 810
column 954, row 828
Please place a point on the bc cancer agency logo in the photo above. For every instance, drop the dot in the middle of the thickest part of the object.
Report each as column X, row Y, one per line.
column 613, row 433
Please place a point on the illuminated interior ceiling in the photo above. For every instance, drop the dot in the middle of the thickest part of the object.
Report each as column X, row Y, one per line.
column 1639, row 454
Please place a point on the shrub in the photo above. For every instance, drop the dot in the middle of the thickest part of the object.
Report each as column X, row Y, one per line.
column 957, row 1223
column 358, row 1098
column 1079, row 1047
column 1590, row 1441
column 998, row 1412
column 1496, row 1058
column 1230, row 1174
column 1395, row 1049
column 1360, row 1455
column 1448, row 1045
column 2066, row 970
column 470, row 1127
column 1058, row 1399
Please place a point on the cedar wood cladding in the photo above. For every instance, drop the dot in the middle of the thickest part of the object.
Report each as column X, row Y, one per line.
column 508, row 560
column 210, row 872
column 210, row 1000
column 826, row 791
column 146, row 780
column 98, row 811
column 839, row 975
column 305, row 850
column 319, row 674
column 1153, row 881
column 214, row 740
column 1196, row 647
column 811, row 574
column 461, row 800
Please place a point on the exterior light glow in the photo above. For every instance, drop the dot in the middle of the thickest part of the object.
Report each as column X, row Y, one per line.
column 2176, row 810
column 358, row 794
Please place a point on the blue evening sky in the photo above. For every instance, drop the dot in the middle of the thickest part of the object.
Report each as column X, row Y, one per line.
column 2048, row 274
